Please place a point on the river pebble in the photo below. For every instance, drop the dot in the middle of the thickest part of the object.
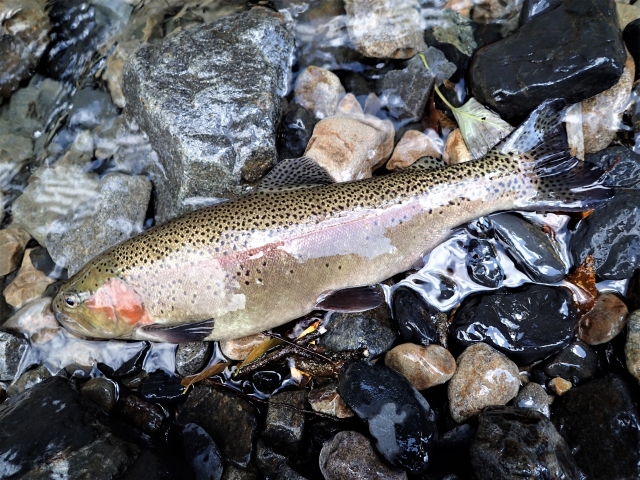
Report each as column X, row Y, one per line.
column 483, row 377
column 102, row 392
column 533, row 396
column 601, row 424
column 604, row 321
column 424, row 367
column 228, row 419
column 412, row 146
column 202, row 453
column 455, row 149
column 527, row 325
column 28, row 379
column 351, row 455
column 319, row 91
column 559, row 385
column 326, row 399
column 267, row 460
column 632, row 345
column 576, row 363
column 284, row 423
column 579, row 34
column 512, row 442
column 144, row 415
column 418, row 321
column 12, row 243
column 29, row 284
column 295, row 131
column 12, row 349
column 482, row 263
column 452, row 34
column 192, row 357
column 240, row 348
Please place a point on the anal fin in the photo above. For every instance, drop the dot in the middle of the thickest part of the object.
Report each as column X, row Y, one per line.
column 357, row 299
column 193, row 332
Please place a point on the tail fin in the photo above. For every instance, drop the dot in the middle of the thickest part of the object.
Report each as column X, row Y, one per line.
column 561, row 182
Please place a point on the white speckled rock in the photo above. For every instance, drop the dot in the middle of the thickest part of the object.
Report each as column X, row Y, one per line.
column 632, row 347
column 424, row 367
column 319, row 91
column 483, row 377
column 412, row 146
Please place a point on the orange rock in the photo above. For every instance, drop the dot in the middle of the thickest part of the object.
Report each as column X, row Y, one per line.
column 412, row 146
column 424, row 367
column 455, row 150
column 29, row 284
column 604, row 321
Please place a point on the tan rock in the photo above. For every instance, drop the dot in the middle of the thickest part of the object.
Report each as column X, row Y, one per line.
column 29, row 284
column 12, row 243
column 383, row 29
column 632, row 346
column 326, row 400
column 604, row 321
column 483, row 377
column 486, row 11
column 351, row 147
column 424, row 367
column 412, row 146
column 455, row 150
column 319, row 91
column 559, row 385
column 35, row 320
column 240, row 348
column 463, row 7
column 602, row 114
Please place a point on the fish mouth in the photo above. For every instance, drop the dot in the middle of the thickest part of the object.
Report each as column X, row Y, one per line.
column 72, row 326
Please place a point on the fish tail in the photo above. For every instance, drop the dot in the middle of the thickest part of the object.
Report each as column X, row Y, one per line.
column 560, row 181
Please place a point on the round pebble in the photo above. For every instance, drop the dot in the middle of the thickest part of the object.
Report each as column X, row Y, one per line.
column 424, row 367
column 604, row 321
column 100, row 391
column 559, row 385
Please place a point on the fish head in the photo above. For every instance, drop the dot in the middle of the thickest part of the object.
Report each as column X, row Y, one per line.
column 98, row 303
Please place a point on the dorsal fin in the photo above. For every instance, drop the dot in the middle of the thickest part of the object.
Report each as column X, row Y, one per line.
column 426, row 163
column 294, row 173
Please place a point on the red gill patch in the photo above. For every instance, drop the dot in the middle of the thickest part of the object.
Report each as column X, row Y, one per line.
column 119, row 301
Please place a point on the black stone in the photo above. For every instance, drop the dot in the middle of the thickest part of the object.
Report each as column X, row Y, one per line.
column 417, row 320
column 267, row 381
column 284, row 423
column 533, row 8
column 268, row 460
column 576, row 363
column 399, row 417
column 160, row 387
column 600, row 422
column 520, row 443
column 202, row 453
column 631, row 37
column 611, row 234
column 144, row 415
column 295, row 131
column 130, row 367
column 621, row 164
column 529, row 247
column 527, row 324
column 229, row 420
column 192, row 357
column 373, row 330
column 482, row 263
column 573, row 52
column 41, row 260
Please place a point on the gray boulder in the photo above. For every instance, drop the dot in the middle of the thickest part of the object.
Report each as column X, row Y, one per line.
column 209, row 98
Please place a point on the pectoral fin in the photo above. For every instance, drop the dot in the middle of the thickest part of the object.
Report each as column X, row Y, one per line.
column 193, row 332
column 356, row 299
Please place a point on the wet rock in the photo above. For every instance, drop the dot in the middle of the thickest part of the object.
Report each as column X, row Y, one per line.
column 498, row 11
column 287, row 473
column 283, row 425
column 227, row 418
column 41, row 259
column 451, row 32
column 604, row 321
column 577, row 35
column 325, row 399
column 424, row 367
column 23, row 40
column 28, row 380
column 351, row 147
column 621, row 164
column 28, row 284
column 12, row 349
column 483, row 377
column 121, row 209
column 351, row 455
column 534, row 8
column 144, row 415
column 611, row 235
column 203, row 152
column 373, row 330
column 530, row 248
column 240, row 348
column 295, row 131
column 383, row 29
column 35, row 321
column 102, row 392
column 51, row 429
column 412, row 146
column 534, row 397
column 319, row 91
column 202, row 453
column 161, row 387
column 600, row 422
column 455, row 150
column 399, row 418
column 192, row 357
column 232, row 472
column 632, row 345
column 417, row 320
column 527, row 325
column 513, row 442
column 631, row 36
column 267, row 460
column 12, row 243
column 405, row 92
column 576, row 363
column 559, row 385
column 482, row 263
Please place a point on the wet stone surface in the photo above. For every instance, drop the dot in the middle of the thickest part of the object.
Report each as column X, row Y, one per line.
column 513, row 442
column 12, row 349
column 399, row 418
column 284, row 423
column 102, row 392
column 482, row 263
column 144, row 415
column 192, row 357
column 603, row 409
column 576, row 363
column 295, row 131
column 202, row 453
column 622, row 165
column 527, row 325
column 424, row 367
column 417, row 320
column 533, row 396
column 604, row 321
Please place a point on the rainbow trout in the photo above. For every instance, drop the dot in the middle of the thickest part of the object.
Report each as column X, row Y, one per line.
column 259, row 261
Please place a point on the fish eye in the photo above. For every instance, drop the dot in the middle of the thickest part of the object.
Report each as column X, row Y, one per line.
column 71, row 300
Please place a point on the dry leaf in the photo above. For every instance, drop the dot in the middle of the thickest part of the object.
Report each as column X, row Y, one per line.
column 206, row 373
column 582, row 283
column 259, row 351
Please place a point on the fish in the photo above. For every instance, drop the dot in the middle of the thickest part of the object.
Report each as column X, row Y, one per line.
column 300, row 242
